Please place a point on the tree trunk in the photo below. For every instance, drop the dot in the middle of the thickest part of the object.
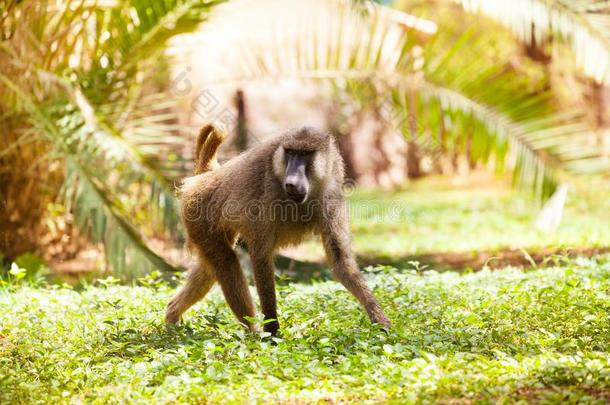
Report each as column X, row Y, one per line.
column 601, row 97
column 382, row 163
column 241, row 130
column 413, row 156
column 535, row 51
column 472, row 164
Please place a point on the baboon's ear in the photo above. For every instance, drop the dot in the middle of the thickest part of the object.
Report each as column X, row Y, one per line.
column 336, row 165
column 279, row 162
column 321, row 164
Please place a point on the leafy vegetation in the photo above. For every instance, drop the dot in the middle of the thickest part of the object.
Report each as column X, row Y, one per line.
column 583, row 24
column 508, row 335
column 92, row 144
column 88, row 122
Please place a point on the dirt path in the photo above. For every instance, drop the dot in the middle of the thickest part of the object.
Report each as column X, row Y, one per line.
column 507, row 257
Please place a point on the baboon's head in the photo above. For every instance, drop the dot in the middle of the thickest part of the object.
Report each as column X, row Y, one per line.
column 301, row 162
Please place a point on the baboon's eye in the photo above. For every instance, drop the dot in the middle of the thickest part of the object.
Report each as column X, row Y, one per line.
column 299, row 153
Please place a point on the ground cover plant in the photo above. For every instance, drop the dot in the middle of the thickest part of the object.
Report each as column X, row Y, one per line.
column 457, row 120
column 538, row 334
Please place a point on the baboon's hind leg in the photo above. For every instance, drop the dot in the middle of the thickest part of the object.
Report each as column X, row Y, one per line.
column 234, row 285
column 198, row 282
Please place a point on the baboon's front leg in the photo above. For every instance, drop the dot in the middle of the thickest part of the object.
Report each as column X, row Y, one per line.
column 337, row 244
column 262, row 266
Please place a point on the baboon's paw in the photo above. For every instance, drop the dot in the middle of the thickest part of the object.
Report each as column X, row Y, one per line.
column 378, row 317
column 272, row 327
column 172, row 314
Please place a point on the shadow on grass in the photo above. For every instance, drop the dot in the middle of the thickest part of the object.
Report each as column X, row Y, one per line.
column 130, row 342
column 292, row 270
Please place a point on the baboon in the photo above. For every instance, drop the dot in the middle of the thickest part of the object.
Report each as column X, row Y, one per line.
column 270, row 196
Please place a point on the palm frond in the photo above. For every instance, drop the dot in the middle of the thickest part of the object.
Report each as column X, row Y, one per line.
column 585, row 24
column 337, row 43
column 80, row 77
column 530, row 141
column 97, row 208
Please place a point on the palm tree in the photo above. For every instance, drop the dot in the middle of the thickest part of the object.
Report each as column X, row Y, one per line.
column 583, row 24
column 490, row 106
column 85, row 122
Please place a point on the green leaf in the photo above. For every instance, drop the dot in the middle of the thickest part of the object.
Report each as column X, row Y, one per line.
column 17, row 271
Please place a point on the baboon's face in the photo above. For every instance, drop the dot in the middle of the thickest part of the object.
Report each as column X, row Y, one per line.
column 300, row 163
column 297, row 166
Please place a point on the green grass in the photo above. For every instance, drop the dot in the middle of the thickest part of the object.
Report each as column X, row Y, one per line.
column 513, row 334
column 440, row 215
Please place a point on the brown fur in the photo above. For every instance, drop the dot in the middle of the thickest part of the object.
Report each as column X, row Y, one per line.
column 240, row 198
column 210, row 137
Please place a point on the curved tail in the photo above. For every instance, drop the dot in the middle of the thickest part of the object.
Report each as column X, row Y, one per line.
column 210, row 137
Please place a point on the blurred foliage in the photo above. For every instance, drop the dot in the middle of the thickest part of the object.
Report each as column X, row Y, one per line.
column 583, row 24
column 86, row 121
column 437, row 215
column 89, row 123
column 450, row 86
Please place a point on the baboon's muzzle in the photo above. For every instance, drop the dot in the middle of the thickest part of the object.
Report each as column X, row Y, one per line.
column 296, row 183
